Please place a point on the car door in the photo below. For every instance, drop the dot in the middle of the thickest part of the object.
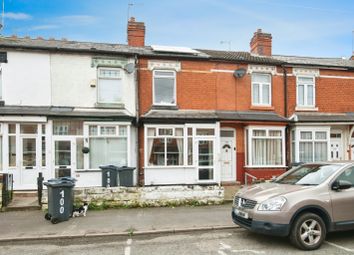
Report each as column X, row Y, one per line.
column 343, row 202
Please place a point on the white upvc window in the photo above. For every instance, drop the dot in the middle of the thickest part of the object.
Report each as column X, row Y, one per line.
column 305, row 91
column 261, row 89
column 265, row 146
column 310, row 144
column 174, row 145
column 110, row 85
column 164, row 87
column 108, row 144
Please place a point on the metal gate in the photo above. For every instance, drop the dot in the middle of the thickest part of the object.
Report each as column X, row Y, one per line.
column 7, row 188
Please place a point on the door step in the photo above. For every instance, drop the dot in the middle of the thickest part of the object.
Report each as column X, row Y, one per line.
column 23, row 201
column 25, row 193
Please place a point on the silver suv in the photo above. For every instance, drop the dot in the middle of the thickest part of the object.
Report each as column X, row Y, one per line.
column 304, row 203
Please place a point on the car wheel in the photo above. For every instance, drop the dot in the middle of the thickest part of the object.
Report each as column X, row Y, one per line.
column 308, row 231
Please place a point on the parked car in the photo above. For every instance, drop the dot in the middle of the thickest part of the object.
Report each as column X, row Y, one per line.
column 304, row 203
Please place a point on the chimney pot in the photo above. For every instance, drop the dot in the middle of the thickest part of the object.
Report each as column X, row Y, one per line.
column 261, row 43
column 136, row 33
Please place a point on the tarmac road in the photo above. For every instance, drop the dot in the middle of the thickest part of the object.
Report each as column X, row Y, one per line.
column 220, row 242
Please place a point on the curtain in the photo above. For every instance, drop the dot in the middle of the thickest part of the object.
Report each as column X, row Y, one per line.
column 320, row 151
column 266, row 152
column 105, row 151
column 164, row 90
column 149, row 144
column 180, row 151
column 306, row 152
column 110, row 90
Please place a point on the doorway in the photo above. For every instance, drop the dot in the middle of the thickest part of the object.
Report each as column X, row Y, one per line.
column 228, row 154
column 64, row 156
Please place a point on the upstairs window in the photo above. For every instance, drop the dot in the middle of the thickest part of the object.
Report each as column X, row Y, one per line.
column 261, row 89
column 110, row 85
column 305, row 87
column 164, row 87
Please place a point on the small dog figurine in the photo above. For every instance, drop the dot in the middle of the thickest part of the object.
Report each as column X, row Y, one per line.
column 81, row 211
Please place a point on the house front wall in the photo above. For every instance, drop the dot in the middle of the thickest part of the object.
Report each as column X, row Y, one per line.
column 26, row 79
column 75, row 81
column 31, row 144
column 208, row 85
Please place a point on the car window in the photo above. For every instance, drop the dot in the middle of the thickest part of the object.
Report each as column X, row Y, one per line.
column 308, row 174
column 347, row 175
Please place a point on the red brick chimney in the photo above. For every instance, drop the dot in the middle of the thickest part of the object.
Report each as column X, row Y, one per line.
column 261, row 43
column 136, row 33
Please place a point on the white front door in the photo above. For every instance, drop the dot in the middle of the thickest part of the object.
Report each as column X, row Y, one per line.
column 29, row 149
column 205, row 159
column 228, row 155
column 336, row 146
column 64, row 156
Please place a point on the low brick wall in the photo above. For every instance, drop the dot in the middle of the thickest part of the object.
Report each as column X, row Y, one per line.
column 148, row 196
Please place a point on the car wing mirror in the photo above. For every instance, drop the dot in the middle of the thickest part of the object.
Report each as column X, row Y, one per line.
column 341, row 184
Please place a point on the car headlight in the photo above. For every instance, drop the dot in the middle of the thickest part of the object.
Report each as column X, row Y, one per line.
column 273, row 204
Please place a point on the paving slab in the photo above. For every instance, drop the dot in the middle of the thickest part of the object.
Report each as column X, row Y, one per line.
column 32, row 225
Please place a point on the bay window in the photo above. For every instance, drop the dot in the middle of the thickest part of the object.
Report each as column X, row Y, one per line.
column 310, row 144
column 165, row 146
column 108, row 145
column 265, row 146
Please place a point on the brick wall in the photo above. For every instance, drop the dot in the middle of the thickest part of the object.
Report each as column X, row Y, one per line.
column 199, row 88
column 333, row 95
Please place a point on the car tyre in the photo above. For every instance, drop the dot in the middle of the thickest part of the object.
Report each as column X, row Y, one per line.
column 308, row 231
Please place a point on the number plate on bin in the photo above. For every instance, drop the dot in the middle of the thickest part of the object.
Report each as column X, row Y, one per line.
column 241, row 214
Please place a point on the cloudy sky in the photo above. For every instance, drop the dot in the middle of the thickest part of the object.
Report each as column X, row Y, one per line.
column 304, row 27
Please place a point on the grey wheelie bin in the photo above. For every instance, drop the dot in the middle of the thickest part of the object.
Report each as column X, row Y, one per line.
column 113, row 176
column 60, row 199
column 126, row 176
column 109, row 176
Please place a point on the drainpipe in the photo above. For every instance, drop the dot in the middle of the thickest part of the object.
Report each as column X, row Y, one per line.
column 136, row 81
column 287, row 145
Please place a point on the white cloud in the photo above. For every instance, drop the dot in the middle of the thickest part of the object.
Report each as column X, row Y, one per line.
column 17, row 16
column 42, row 27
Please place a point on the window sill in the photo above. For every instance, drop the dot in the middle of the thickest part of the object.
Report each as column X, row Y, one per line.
column 164, row 107
column 262, row 107
column 265, row 166
column 87, row 170
column 306, row 109
column 167, row 167
column 110, row 105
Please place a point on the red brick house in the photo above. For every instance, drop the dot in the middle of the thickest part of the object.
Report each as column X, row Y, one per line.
column 212, row 116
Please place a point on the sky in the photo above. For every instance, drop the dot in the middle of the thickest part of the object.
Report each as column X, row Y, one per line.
column 319, row 28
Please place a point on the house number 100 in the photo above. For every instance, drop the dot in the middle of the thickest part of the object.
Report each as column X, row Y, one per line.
column 61, row 202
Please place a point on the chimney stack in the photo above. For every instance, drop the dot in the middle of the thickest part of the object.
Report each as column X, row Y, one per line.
column 261, row 43
column 136, row 33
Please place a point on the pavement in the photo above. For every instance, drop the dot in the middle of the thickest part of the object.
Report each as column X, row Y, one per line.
column 31, row 225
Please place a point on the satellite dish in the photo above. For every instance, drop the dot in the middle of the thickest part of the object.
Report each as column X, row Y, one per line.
column 239, row 73
column 129, row 68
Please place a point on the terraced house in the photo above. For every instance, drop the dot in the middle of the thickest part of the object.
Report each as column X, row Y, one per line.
column 180, row 115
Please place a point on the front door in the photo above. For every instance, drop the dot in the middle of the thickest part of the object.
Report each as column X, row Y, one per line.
column 205, row 159
column 336, row 146
column 28, row 161
column 228, row 152
column 64, row 156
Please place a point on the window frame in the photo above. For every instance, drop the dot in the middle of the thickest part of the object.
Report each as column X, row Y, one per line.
column 185, row 136
column 121, row 76
column 297, row 140
column 174, row 86
column 249, row 146
column 261, row 103
column 306, row 85
column 87, row 136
